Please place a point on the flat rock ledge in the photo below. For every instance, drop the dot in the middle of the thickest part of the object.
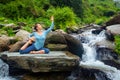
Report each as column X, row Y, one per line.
column 54, row 61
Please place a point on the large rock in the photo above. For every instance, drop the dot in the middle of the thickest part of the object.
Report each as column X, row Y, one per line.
column 55, row 38
column 74, row 45
column 54, row 61
column 22, row 35
column 114, row 29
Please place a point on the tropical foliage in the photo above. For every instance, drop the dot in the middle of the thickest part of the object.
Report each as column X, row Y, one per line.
column 68, row 13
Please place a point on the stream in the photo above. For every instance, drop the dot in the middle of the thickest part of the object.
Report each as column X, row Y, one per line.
column 89, row 58
column 4, row 71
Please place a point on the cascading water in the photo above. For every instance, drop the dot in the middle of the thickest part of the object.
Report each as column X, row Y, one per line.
column 89, row 57
column 4, row 71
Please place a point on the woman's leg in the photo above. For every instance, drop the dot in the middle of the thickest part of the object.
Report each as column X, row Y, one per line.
column 28, row 49
column 41, row 51
column 26, row 45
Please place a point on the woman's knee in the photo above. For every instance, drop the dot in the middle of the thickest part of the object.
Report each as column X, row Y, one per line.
column 46, row 50
column 21, row 52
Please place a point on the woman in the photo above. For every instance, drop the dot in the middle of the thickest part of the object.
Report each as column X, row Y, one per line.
column 35, row 44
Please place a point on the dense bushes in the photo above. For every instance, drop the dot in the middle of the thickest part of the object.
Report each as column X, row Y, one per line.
column 65, row 11
column 117, row 43
column 24, row 8
column 76, row 5
column 64, row 17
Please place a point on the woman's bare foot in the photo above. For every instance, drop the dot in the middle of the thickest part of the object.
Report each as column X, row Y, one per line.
column 38, row 52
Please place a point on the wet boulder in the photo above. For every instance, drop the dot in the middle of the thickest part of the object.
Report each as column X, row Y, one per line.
column 106, row 54
column 109, row 35
column 97, row 31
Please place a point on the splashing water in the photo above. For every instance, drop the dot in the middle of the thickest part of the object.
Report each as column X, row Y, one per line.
column 89, row 57
column 4, row 71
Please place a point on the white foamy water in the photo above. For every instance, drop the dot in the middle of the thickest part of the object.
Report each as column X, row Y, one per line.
column 89, row 57
column 4, row 71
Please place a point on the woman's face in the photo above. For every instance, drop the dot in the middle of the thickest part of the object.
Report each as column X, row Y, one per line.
column 39, row 27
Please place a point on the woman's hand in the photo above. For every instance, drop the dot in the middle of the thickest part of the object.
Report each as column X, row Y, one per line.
column 52, row 18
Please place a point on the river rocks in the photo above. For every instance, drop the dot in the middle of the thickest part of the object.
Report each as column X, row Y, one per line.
column 114, row 29
column 55, row 61
column 114, row 20
column 106, row 43
column 97, row 31
column 86, row 73
column 22, row 35
column 5, row 42
column 16, row 47
column 106, row 54
column 109, row 36
column 74, row 45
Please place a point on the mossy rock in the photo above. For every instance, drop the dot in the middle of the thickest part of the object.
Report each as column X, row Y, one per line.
column 57, row 47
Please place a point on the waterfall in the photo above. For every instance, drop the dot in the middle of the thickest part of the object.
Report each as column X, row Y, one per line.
column 89, row 57
column 4, row 71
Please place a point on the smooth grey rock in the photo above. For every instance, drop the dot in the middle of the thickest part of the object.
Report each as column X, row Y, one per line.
column 114, row 29
column 54, row 61
column 106, row 43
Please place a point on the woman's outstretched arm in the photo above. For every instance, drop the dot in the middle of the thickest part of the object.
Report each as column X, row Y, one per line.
column 52, row 25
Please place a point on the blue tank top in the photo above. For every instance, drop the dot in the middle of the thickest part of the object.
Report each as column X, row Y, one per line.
column 40, row 39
